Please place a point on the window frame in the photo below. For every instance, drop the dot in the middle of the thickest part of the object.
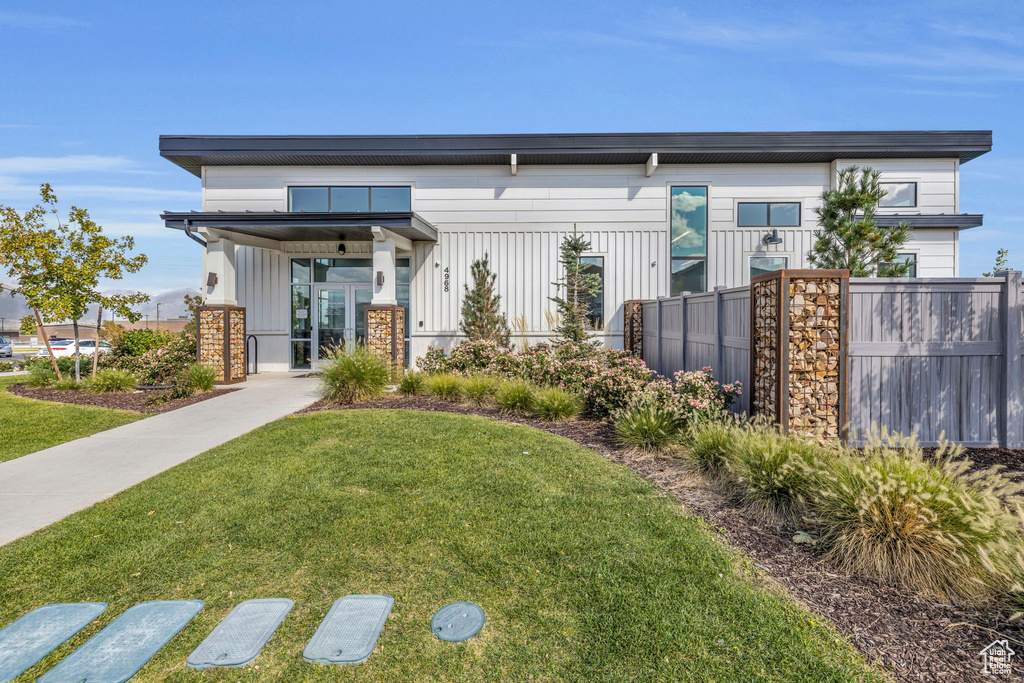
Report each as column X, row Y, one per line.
column 900, row 206
column 604, row 280
column 916, row 257
column 707, row 233
column 750, row 257
column 768, row 212
column 369, row 195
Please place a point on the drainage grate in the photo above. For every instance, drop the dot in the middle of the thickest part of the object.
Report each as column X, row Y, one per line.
column 457, row 621
column 238, row 639
column 350, row 630
column 116, row 653
column 40, row 632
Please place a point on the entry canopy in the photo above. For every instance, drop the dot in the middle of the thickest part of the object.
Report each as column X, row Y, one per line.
column 306, row 227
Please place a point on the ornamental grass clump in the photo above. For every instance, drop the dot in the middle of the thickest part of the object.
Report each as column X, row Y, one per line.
column 776, row 474
column 516, row 395
column 926, row 523
column 67, row 384
column 646, row 427
column 412, row 383
column 110, row 381
column 354, row 374
column 555, row 403
column 480, row 389
column 201, row 377
column 40, row 377
column 445, row 385
column 708, row 443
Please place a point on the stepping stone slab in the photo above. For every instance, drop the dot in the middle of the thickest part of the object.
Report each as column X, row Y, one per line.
column 350, row 630
column 40, row 632
column 457, row 621
column 116, row 653
column 238, row 639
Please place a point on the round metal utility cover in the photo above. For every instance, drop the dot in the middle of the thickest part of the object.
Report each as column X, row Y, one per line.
column 457, row 621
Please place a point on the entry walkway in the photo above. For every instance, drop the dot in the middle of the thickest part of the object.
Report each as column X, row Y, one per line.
column 42, row 487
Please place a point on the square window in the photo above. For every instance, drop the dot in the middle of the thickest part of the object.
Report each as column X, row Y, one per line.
column 307, row 199
column 760, row 265
column 688, row 275
column 752, row 214
column 784, row 214
column 898, row 194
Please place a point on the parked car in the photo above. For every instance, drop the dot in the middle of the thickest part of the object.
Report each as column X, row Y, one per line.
column 6, row 348
column 66, row 347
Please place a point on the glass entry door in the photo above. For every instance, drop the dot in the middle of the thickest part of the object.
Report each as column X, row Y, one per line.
column 338, row 316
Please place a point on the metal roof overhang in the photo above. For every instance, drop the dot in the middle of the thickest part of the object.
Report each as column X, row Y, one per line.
column 192, row 152
column 960, row 221
column 301, row 226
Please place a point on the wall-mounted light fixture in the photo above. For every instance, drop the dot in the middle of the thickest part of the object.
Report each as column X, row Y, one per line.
column 772, row 237
column 653, row 263
column 341, row 247
column 380, row 278
column 211, row 279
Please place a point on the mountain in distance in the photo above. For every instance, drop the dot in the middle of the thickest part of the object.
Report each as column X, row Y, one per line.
column 172, row 305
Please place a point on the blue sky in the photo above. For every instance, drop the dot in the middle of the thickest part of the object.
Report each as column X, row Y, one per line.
column 89, row 86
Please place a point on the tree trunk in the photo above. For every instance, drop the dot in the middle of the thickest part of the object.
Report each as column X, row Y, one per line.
column 96, row 351
column 46, row 340
column 78, row 354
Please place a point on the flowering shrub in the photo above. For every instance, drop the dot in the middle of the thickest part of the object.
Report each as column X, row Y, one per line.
column 165, row 364
column 696, row 395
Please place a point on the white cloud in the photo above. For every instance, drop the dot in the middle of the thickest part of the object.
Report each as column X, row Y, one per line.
column 13, row 187
column 72, row 163
column 47, row 22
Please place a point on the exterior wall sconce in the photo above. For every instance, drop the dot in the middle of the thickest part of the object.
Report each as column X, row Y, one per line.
column 341, row 247
column 772, row 237
column 653, row 264
column 380, row 278
column 211, row 279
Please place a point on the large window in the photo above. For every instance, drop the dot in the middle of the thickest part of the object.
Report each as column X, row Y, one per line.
column 349, row 199
column 759, row 265
column 594, row 265
column 898, row 194
column 689, row 235
column 909, row 259
column 768, row 214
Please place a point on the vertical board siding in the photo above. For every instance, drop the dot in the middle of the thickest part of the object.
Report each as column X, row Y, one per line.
column 926, row 357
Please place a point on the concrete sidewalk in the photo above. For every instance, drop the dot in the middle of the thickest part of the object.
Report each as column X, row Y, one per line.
column 39, row 488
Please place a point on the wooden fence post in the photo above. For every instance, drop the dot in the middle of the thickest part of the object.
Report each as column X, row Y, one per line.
column 683, row 324
column 1011, row 406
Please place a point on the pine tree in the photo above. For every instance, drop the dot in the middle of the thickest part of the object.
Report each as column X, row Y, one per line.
column 848, row 237
column 579, row 287
column 481, row 315
column 1001, row 262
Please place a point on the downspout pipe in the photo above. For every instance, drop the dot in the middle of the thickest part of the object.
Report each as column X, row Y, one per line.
column 192, row 236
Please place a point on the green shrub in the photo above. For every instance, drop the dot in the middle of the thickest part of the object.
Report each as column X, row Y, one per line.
column 41, row 376
column 516, row 395
column 67, row 384
column 646, row 427
column 926, row 523
column 480, row 389
column 708, row 443
column 355, row 374
column 555, row 403
column 777, row 474
column 6, row 366
column 138, row 342
column 201, row 377
column 445, row 385
column 412, row 383
column 108, row 381
column 65, row 363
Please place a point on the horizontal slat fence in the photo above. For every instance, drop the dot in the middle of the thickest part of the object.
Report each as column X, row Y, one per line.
column 926, row 356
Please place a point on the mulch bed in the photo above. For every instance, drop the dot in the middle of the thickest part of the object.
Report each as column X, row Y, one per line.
column 905, row 635
column 134, row 400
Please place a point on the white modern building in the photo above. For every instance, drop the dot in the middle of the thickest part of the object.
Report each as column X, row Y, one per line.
column 306, row 231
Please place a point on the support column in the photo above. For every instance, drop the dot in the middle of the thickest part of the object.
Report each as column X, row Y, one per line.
column 383, row 267
column 633, row 328
column 219, row 270
column 385, row 327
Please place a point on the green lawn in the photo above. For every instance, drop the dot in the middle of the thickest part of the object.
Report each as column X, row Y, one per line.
column 584, row 570
column 27, row 425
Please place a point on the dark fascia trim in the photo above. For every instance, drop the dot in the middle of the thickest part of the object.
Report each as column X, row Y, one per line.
column 960, row 221
column 421, row 229
column 192, row 152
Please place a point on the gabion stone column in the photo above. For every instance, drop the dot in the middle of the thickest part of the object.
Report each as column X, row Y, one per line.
column 799, row 350
column 633, row 329
column 220, row 333
column 385, row 327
